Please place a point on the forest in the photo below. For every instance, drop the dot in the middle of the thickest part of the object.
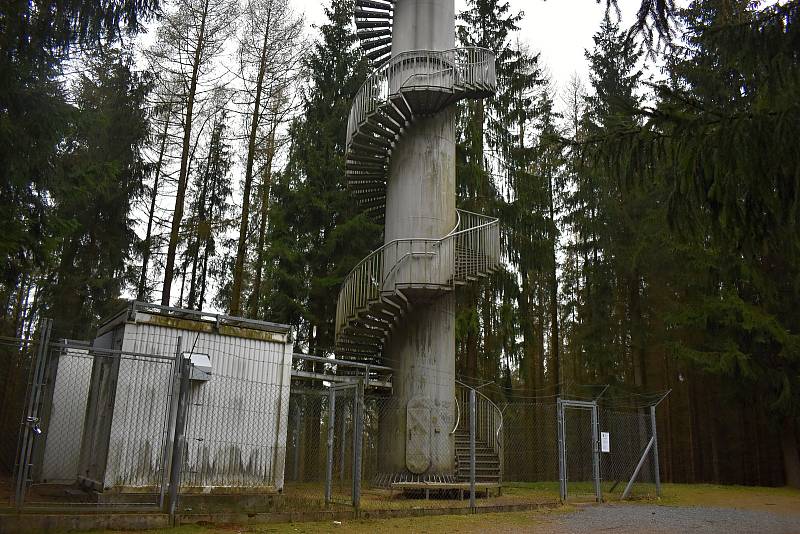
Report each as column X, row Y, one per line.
column 191, row 153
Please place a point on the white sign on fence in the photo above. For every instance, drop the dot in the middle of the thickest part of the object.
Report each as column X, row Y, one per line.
column 605, row 442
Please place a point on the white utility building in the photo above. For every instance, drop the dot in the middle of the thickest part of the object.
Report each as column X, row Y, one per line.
column 238, row 401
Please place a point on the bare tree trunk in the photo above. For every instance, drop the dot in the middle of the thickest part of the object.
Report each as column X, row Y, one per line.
column 183, row 177
column 255, row 297
column 140, row 294
column 238, row 269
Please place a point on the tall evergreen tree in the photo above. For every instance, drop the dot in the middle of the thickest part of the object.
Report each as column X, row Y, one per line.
column 481, row 147
column 34, row 118
column 102, row 170
column 317, row 236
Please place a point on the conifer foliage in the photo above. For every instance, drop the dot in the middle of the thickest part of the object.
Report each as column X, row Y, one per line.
column 649, row 224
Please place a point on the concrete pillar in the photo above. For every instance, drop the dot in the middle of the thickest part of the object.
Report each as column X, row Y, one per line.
column 422, row 353
column 421, row 192
column 420, row 203
column 423, row 25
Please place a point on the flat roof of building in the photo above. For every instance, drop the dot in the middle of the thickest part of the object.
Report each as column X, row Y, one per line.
column 220, row 321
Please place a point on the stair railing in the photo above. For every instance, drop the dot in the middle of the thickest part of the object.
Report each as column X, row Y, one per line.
column 488, row 423
column 471, row 67
column 469, row 251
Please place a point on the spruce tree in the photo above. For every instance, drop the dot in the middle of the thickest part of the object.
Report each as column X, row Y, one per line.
column 102, row 170
column 317, row 235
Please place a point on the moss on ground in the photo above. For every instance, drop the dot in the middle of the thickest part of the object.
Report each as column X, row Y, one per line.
column 776, row 500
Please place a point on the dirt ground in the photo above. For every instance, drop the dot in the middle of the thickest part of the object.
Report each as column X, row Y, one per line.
column 700, row 509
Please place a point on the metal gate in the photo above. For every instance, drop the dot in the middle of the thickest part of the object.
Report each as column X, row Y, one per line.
column 578, row 449
column 82, row 431
column 345, row 430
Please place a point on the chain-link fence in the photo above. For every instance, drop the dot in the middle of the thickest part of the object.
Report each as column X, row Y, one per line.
column 88, row 426
column 629, row 463
column 16, row 356
column 94, row 430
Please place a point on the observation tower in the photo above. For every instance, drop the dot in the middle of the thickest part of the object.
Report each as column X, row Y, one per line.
column 397, row 306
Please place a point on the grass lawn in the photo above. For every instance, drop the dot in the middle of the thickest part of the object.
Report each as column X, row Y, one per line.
column 451, row 524
column 776, row 500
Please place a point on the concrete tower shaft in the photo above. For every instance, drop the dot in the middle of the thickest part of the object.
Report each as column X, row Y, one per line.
column 397, row 306
column 420, row 203
column 423, row 25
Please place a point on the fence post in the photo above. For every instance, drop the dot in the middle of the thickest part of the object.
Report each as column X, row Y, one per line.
column 472, row 417
column 596, row 453
column 329, row 456
column 655, row 450
column 358, row 429
column 30, row 417
column 179, row 440
column 298, row 425
column 169, row 433
column 562, row 468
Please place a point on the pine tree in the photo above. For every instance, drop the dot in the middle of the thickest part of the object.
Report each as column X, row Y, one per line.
column 481, row 148
column 269, row 48
column 35, row 116
column 316, row 234
column 103, row 170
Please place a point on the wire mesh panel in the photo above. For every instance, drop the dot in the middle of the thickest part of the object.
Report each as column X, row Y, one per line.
column 531, row 444
column 235, row 435
column 306, row 450
column 16, row 356
column 101, row 428
column 341, row 444
column 627, row 435
column 578, row 453
column 415, row 456
column 68, row 380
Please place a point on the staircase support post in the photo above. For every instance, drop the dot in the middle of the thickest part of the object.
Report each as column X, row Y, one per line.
column 472, row 417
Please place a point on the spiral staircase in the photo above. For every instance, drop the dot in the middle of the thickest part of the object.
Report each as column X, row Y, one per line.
column 403, row 273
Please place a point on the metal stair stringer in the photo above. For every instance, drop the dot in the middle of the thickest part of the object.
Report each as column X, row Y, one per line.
column 407, row 86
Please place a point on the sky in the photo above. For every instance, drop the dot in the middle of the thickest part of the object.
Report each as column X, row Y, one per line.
column 559, row 29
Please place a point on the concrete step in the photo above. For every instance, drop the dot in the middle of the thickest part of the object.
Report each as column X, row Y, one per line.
column 493, row 471
column 481, row 466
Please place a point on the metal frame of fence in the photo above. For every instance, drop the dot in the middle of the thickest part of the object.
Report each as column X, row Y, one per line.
column 644, row 421
column 563, row 407
column 320, row 436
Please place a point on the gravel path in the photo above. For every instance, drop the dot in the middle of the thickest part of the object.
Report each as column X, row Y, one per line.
column 625, row 519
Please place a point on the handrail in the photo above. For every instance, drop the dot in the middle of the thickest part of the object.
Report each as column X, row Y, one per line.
column 458, row 416
column 490, row 421
column 459, row 211
column 472, row 65
column 473, row 234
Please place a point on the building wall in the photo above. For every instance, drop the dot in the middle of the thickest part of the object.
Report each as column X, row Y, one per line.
column 65, row 421
column 236, row 425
